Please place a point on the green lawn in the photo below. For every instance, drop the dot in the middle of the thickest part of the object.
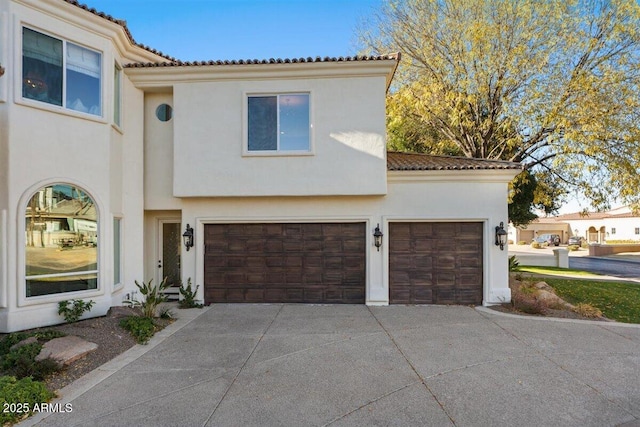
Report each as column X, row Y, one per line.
column 617, row 300
column 556, row 271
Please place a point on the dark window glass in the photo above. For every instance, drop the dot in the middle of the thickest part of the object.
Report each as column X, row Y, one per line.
column 41, row 67
column 164, row 112
column 263, row 123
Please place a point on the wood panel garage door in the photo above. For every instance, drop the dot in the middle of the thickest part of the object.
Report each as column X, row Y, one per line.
column 435, row 263
column 310, row 263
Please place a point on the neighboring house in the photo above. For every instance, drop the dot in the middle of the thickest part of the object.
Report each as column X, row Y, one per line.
column 594, row 227
column 111, row 151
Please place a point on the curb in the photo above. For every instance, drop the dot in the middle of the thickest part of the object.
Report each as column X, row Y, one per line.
column 487, row 310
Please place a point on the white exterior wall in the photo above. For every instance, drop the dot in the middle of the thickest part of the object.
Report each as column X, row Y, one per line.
column 625, row 228
column 347, row 140
column 43, row 144
column 471, row 196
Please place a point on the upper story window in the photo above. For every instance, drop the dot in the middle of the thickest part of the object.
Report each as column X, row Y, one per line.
column 60, row 73
column 278, row 123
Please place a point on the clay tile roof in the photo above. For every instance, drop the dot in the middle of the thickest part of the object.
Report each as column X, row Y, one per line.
column 583, row 215
column 178, row 63
column 423, row 162
column 120, row 22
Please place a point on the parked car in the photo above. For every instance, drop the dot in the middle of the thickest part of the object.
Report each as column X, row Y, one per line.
column 550, row 239
column 575, row 240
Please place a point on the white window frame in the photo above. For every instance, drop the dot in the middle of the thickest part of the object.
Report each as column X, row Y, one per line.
column 117, row 95
column 23, row 300
column 277, row 152
column 49, row 106
column 118, row 257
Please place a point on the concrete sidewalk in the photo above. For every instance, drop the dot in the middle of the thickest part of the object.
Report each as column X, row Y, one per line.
column 346, row 365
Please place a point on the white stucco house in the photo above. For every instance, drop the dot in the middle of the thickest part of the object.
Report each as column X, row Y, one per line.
column 110, row 151
column 619, row 224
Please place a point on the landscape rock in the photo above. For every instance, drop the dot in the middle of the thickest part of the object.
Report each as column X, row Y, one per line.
column 66, row 350
column 550, row 299
column 122, row 311
column 543, row 286
column 24, row 342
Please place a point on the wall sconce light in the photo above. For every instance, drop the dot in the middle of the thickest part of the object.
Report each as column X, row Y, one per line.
column 377, row 237
column 501, row 236
column 187, row 237
column 1, row 71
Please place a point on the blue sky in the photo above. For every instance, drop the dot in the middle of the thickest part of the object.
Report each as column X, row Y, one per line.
column 193, row 30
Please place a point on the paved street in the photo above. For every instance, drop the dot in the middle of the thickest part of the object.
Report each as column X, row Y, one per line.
column 352, row 365
column 610, row 267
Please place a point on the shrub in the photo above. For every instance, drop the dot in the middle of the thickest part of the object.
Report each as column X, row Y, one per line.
column 584, row 244
column 141, row 328
column 522, row 242
column 189, row 296
column 73, row 313
column 573, row 248
column 153, row 297
column 26, row 392
column 513, row 263
column 166, row 313
column 21, row 363
column 535, row 245
column 587, row 310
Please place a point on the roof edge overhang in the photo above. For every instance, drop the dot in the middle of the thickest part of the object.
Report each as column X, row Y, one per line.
column 475, row 175
column 74, row 14
column 148, row 76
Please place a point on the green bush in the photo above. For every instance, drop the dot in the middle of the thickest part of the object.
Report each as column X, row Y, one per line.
column 513, row 263
column 25, row 392
column 573, row 247
column 73, row 313
column 21, row 363
column 141, row 328
column 189, row 296
column 522, row 242
column 535, row 245
column 153, row 296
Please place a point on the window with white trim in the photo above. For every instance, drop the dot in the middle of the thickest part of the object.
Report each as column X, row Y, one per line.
column 117, row 251
column 61, row 246
column 58, row 72
column 117, row 94
column 278, row 123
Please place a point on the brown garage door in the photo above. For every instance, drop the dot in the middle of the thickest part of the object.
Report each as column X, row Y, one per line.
column 435, row 263
column 310, row 263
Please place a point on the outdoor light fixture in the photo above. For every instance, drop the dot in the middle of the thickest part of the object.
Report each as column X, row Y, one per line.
column 501, row 236
column 187, row 237
column 377, row 237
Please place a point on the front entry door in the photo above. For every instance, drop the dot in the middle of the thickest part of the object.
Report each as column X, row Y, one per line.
column 169, row 251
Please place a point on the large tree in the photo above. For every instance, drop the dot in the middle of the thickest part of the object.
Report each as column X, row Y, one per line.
column 553, row 84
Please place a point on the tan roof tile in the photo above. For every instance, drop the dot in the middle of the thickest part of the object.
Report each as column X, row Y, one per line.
column 422, row 162
column 120, row 22
column 178, row 63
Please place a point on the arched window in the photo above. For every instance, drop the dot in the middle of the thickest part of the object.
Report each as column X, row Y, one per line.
column 61, row 253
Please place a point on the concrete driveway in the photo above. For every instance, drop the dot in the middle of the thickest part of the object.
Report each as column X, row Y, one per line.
column 265, row 365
